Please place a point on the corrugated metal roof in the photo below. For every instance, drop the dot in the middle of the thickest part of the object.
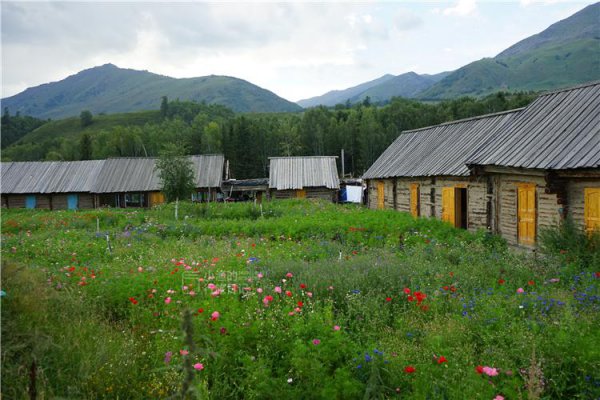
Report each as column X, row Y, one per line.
column 559, row 130
column 439, row 150
column 100, row 176
column 300, row 172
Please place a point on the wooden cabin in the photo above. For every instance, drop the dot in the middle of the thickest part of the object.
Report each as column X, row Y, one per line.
column 513, row 173
column 545, row 166
column 423, row 172
column 303, row 177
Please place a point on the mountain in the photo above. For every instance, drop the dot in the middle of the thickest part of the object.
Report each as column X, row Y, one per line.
column 378, row 90
column 565, row 54
column 109, row 89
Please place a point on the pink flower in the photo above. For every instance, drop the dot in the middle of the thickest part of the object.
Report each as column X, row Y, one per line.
column 212, row 286
column 140, row 269
column 168, row 356
column 336, row 328
column 277, row 289
column 215, row 316
column 489, row 371
column 520, row 290
column 184, row 352
column 309, row 294
column 259, row 290
column 499, row 397
column 316, row 342
column 291, row 313
column 167, row 300
column 260, row 275
column 289, row 275
column 198, row 366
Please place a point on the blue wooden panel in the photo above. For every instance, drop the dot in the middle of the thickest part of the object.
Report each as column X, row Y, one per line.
column 30, row 201
column 72, row 201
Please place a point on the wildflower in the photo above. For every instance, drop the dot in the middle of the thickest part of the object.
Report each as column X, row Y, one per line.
column 198, row 367
column 441, row 360
column 407, row 290
column 260, row 275
column 167, row 300
column 215, row 316
column 531, row 283
column 140, row 269
column 290, row 380
column 336, row 328
column 501, row 281
column 489, row 371
column 211, row 286
column 409, row 369
column 316, row 342
column 410, row 298
column 289, row 275
column 520, row 290
column 498, row 397
column 302, row 286
column 330, row 288
column 300, row 304
column 200, row 310
column 445, row 288
column 388, row 299
column 259, row 290
column 223, row 330
column 133, row 300
column 288, row 293
column 309, row 294
column 168, row 356
column 184, row 352
column 277, row 289
column 479, row 369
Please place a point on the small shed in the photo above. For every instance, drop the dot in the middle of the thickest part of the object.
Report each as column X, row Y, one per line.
column 50, row 185
column 545, row 165
column 423, row 172
column 303, row 177
column 245, row 189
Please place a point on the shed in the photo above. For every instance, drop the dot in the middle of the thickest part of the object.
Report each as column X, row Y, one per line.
column 245, row 189
column 303, row 177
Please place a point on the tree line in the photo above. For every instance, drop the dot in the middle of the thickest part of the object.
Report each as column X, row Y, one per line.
column 363, row 131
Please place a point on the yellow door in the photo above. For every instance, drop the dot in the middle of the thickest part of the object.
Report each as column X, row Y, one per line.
column 380, row 195
column 156, row 198
column 301, row 194
column 448, row 205
column 592, row 209
column 526, row 213
column 414, row 199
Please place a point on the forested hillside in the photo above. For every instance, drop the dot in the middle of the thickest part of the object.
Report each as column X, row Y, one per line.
column 247, row 140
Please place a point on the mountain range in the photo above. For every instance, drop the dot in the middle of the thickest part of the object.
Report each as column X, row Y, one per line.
column 109, row 89
column 565, row 54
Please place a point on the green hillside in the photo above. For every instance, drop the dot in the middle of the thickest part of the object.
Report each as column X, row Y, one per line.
column 109, row 89
column 565, row 54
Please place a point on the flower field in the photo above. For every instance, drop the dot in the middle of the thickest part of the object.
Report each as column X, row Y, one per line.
column 295, row 300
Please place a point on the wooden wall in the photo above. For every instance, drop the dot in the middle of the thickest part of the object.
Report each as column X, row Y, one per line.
column 16, row 201
column 311, row 193
column 575, row 197
column 42, row 201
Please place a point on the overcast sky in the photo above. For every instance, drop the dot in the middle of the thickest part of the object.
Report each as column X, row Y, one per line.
column 295, row 49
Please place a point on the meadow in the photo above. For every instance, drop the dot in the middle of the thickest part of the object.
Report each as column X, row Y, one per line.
column 295, row 300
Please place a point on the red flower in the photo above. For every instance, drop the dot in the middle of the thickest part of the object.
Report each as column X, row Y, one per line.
column 200, row 310
column 410, row 298
column 133, row 300
column 441, row 360
column 288, row 293
column 409, row 369
column 269, row 298
column 300, row 304
column 406, row 290
column 420, row 297
column 501, row 281
column 388, row 299
column 531, row 283
column 451, row 273
column 302, row 286
column 452, row 289
column 597, row 274
column 479, row 369
column 445, row 288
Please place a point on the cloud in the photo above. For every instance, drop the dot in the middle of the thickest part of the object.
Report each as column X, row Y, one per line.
column 406, row 20
column 462, row 8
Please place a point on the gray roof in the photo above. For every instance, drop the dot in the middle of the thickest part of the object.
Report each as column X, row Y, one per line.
column 300, row 172
column 439, row 150
column 114, row 175
column 559, row 130
column 49, row 177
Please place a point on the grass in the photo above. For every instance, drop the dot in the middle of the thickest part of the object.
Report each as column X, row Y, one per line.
column 311, row 299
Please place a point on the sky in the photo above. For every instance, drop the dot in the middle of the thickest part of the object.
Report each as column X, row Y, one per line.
column 294, row 49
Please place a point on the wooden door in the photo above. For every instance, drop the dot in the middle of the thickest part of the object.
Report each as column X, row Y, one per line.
column 592, row 209
column 380, row 195
column 414, row 199
column 526, row 213
column 448, row 205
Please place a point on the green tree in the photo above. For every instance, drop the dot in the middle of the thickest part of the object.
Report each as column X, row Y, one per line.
column 164, row 107
column 175, row 172
column 85, row 147
column 211, row 139
column 86, row 118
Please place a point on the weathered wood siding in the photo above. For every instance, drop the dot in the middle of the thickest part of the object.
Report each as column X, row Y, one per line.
column 16, row 201
column 42, row 201
column 86, row 200
column 576, row 200
column 59, row 202
column 311, row 193
column 4, row 201
column 548, row 211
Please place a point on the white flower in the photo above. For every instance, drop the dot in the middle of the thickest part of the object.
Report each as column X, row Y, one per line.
column 290, row 380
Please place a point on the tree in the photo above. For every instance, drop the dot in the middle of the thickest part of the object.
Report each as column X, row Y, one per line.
column 176, row 174
column 164, row 107
column 85, row 147
column 86, row 118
